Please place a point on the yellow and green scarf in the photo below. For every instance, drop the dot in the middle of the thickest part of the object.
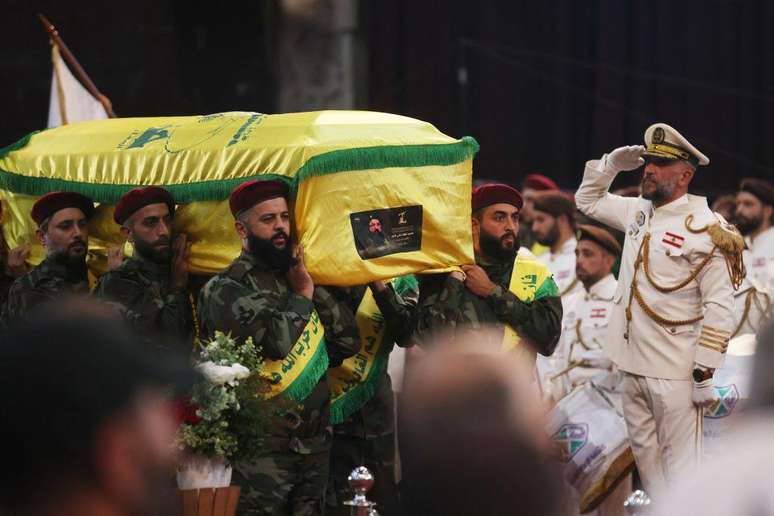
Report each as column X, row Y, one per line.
column 358, row 378
column 297, row 374
column 530, row 280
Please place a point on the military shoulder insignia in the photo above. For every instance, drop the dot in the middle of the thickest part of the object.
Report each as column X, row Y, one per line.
column 640, row 219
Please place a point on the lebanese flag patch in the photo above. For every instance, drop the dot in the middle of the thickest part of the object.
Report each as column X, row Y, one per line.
column 598, row 313
column 673, row 239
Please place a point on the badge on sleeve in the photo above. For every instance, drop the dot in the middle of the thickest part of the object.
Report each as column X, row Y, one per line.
column 640, row 218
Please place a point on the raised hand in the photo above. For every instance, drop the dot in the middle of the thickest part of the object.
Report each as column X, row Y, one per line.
column 17, row 260
column 477, row 281
column 300, row 281
column 115, row 256
column 625, row 158
column 180, row 262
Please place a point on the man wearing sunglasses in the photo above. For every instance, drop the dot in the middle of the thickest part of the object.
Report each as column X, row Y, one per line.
column 672, row 310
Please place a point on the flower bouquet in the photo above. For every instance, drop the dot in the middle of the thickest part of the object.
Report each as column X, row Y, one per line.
column 226, row 414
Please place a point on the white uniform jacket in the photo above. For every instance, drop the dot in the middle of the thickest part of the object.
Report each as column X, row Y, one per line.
column 759, row 260
column 584, row 330
column 562, row 267
column 643, row 346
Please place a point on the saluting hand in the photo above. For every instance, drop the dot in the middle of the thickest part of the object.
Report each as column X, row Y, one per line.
column 17, row 260
column 298, row 277
column 625, row 158
column 477, row 281
column 180, row 262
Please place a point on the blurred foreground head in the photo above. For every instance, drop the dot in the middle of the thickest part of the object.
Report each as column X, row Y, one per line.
column 474, row 435
column 86, row 426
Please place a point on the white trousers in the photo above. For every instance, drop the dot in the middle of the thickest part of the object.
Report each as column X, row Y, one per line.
column 665, row 428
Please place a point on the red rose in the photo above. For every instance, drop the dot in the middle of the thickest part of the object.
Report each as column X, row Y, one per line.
column 185, row 411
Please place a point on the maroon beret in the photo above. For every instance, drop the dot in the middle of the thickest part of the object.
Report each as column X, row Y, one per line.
column 555, row 203
column 760, row 188
column 494, row 193
column 600, row 236
column 539, row 182
column 250, row 193
column 52, row 202
column 138, row 198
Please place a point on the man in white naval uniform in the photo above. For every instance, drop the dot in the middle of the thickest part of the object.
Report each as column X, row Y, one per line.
column 553, row 224
column 755, row 219
column 580, row 353
column 672, row 314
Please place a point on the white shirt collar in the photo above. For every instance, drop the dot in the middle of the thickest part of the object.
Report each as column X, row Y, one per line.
column 604, row 288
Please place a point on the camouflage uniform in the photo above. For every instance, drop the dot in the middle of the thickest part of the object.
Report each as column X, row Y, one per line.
column 368, row 436
column 49, row 280
column 249, row 299
column 446, row 303
column 141, row 292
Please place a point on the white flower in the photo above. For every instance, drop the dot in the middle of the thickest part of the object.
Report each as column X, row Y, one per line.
column 221, row 375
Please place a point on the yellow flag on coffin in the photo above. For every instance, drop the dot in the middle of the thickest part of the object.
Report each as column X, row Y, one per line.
column 376, row 195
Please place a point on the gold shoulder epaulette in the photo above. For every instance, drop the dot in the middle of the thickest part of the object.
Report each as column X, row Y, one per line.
column 727, row 239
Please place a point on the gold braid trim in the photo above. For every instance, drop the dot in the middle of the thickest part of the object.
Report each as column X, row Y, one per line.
column 193, row 315
column 747, row 305
column 645, row 251
column 729, row 241
column 580, row 338
column 752, row 296
column 634, row 292
column 569, row 287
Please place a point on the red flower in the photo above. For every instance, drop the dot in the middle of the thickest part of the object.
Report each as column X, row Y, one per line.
column 185, row 411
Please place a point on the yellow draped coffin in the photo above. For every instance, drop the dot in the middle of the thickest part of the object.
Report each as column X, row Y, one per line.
column 375, row 195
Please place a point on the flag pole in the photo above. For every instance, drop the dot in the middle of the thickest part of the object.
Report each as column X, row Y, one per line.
column 76, row 66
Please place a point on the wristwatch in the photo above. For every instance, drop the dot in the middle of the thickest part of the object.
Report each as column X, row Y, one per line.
column 700, row 375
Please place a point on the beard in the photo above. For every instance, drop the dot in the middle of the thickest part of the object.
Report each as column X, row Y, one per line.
column 747, row 225
column 663, row 191
column 496, row 248
column 148, row 251
column 277, row 257
column 73, row 262
column 550, row 238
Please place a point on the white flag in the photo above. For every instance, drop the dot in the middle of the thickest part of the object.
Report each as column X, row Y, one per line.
column 70, row 101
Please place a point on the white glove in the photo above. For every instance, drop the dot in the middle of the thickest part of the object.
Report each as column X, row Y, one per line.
column 595, row 358
column 625, row 158
column 704, row 393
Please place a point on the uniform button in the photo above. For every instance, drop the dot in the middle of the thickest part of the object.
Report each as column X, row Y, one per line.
column 672, row 330
column 626, row 336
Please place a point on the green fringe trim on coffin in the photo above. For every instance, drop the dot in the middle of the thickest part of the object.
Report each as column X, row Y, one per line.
column 344, row 160
column 354, row 399
column 17, row 145
column 104, row 193
column 388, row 156
column 300, row 389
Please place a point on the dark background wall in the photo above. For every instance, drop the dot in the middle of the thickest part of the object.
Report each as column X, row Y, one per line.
column 549, row 85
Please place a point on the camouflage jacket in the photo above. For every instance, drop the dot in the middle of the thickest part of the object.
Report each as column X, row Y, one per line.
column 45, row 282
column 376, row 418
column 445, row 303
column 139, row 289
column 250, row 299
